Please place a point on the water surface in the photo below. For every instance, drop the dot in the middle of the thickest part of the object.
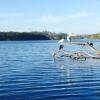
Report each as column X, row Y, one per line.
column 28, row 72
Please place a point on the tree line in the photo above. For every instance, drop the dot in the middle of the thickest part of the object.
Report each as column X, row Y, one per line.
column 45, row 35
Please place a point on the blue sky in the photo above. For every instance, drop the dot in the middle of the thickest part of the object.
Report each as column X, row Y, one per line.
column 76, row 16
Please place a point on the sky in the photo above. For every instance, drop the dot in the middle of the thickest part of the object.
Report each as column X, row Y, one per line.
column 75, row 16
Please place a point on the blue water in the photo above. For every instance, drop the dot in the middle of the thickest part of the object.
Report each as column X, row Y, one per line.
column 28, row 72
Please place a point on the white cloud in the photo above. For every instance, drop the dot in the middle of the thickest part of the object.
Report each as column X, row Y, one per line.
column 50, row 18
column 15, row 14
column 98, row 23
column 80, row 14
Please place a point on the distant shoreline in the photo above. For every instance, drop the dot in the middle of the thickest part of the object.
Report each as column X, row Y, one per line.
column 45, row 35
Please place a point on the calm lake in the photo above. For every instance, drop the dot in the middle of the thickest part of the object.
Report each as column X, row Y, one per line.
column 28, row 72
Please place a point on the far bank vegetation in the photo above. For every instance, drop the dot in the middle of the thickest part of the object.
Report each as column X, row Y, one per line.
column 45, row 35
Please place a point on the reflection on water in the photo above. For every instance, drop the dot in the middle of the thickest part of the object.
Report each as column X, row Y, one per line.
column 80, row 78
column 28, row 72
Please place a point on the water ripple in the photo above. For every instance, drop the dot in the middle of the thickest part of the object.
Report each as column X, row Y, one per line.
column 27, row 72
